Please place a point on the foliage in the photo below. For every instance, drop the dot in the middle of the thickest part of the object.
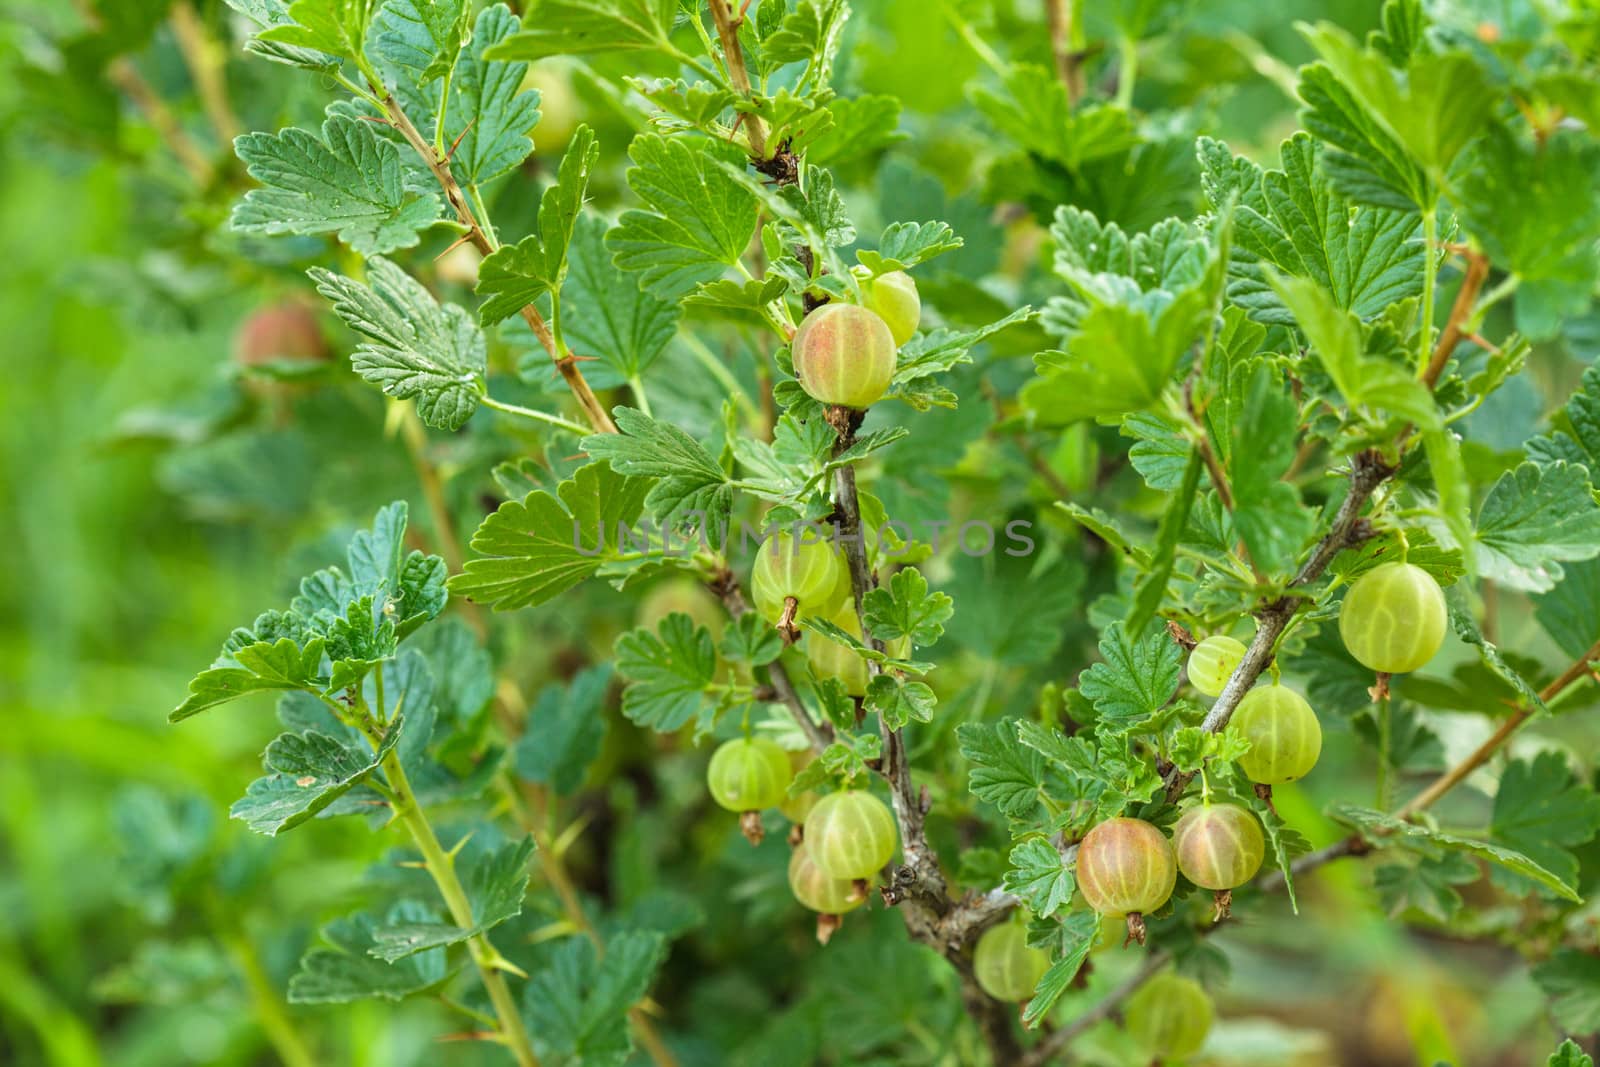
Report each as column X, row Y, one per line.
column 1171, row 379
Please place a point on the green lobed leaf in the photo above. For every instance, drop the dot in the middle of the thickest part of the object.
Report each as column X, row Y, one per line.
column 337, row 27
column 348, row 182
column 578, row 1004
column 687, row 482
column 1335, row 335
column 699, row 222
column 1544, row 812
column 1083, row 928
column 606, row 313
column 580, row 27
column 906, row 608
column 897, row 701
column 262, row 665
column 425, row 35
column 564, row 732
column 309, row 771
column 1004, row 772
column 1138, row 675
column 667, row 671
column 1367, row 258
column 1412, row 835
column 1040, row 877
column 269, row 14
column 534, row 549
column 343, row 970
column 909, row 244
column 1534, row 518
column 1571, row 979
column 416, row 349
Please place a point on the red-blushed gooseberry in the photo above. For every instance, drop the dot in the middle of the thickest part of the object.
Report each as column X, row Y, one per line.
column 1219, row 846
column 844, row 355
column 1126, row 867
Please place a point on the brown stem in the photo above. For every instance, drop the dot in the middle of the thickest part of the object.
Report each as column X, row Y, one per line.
column 207, row 65
column 565, row 362
column 1455, row 775
column 917, row 885
column 1460, row 311
column 125, row 76
column 1069, row 60
column 733, row 55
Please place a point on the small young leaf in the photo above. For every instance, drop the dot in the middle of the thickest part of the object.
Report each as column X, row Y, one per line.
column 897, row 701
column 1040, row 877
column 1137, row 677
column 905, row 607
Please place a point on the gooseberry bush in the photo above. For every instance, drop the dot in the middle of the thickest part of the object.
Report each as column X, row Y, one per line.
column 964, row 527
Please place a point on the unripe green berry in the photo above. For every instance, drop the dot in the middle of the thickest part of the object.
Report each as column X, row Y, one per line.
column 820, row 892
column 1169, row 1016
column 1126, row 866
column 800, row 567
column 851, row 834
column 1213, row 662
column 749, row 774
column 1219, row 846
column 894, row 297
column 844, row 354
column 1006, row 966
column 1393, row 618
column 1285, row 737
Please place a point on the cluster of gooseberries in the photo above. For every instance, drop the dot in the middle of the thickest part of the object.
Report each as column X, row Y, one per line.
column 844, row 838
column 844, row 354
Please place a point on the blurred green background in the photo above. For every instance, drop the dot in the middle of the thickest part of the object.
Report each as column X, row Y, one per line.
column 156, row 494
